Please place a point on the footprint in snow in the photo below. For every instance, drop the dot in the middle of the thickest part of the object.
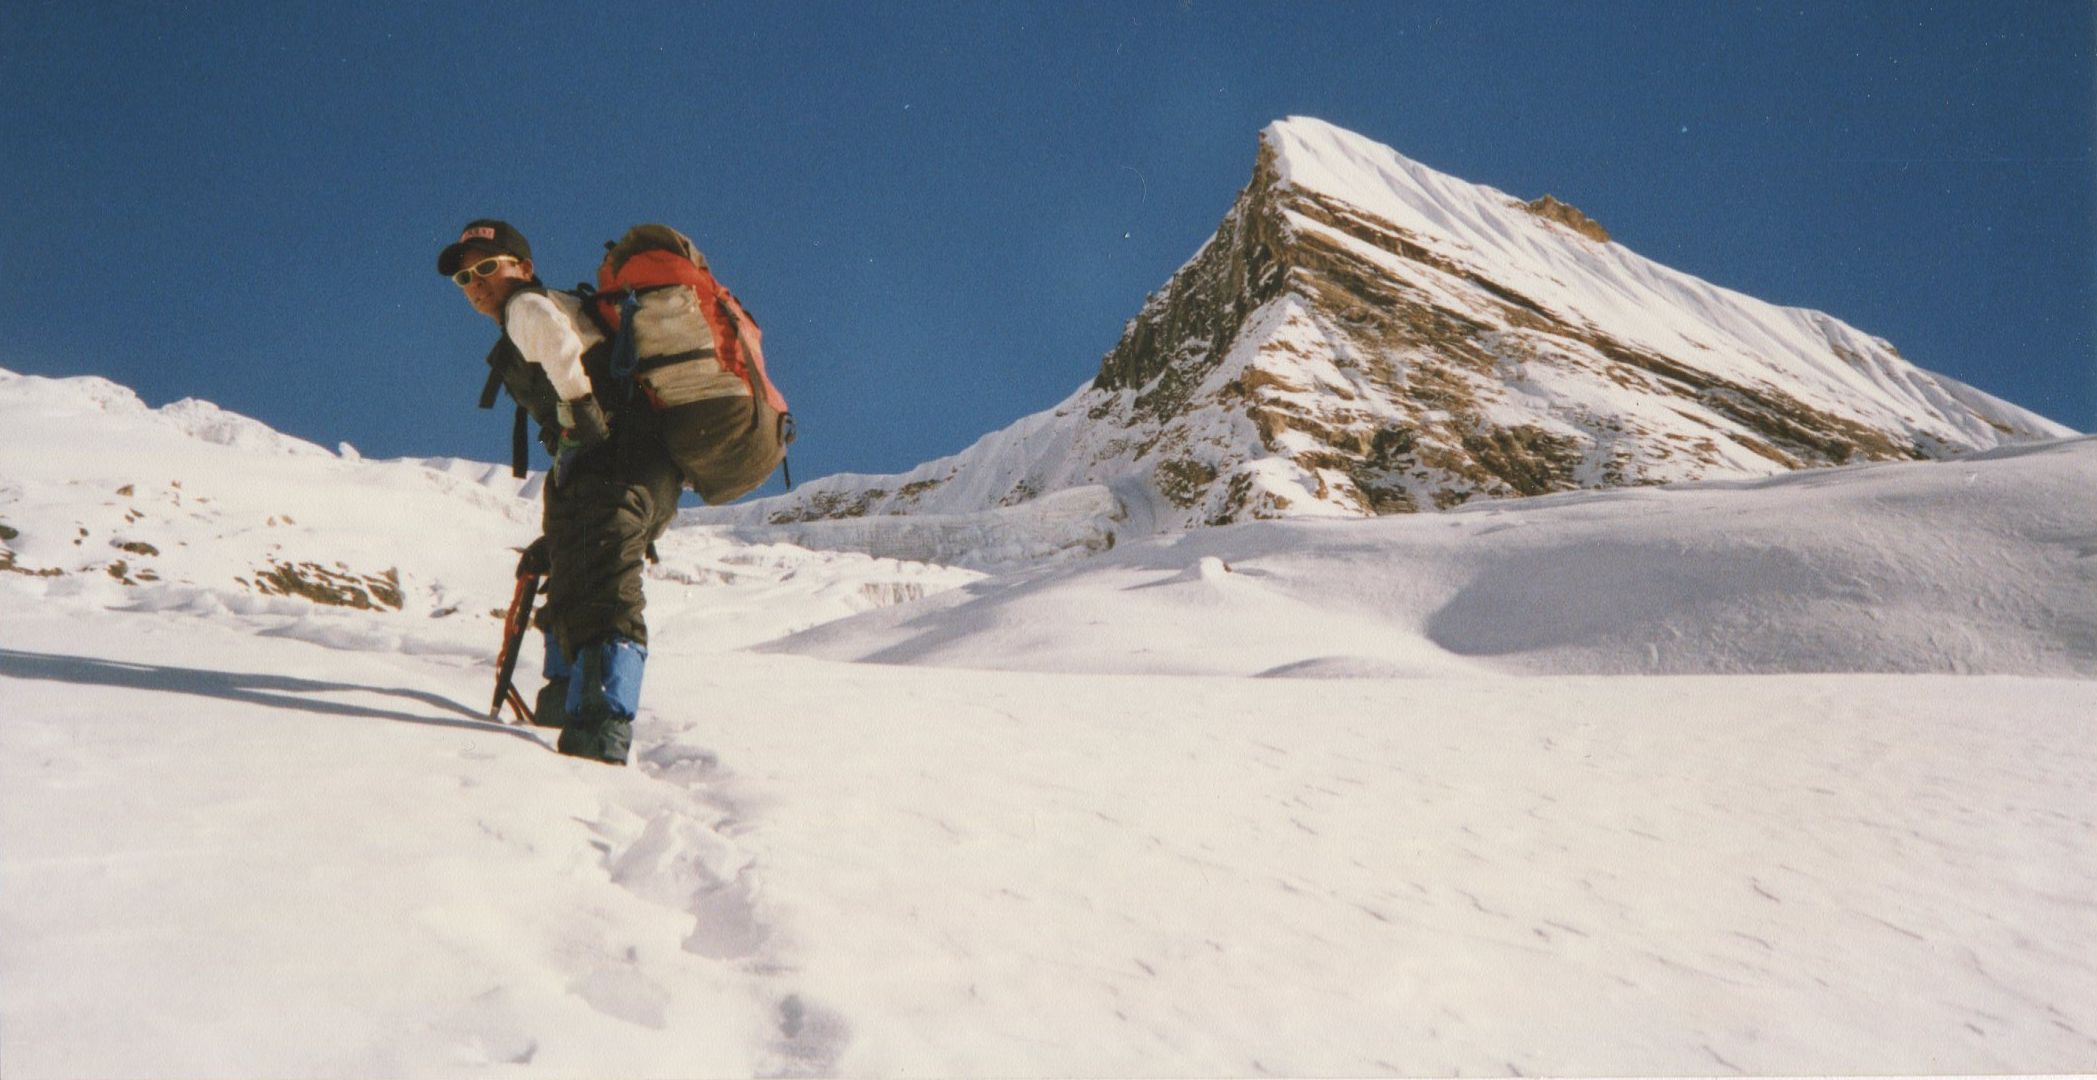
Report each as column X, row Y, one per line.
column 811, row 1039
column 680, row 863
column 680, row 763
column 623, row 993
column 727, row 926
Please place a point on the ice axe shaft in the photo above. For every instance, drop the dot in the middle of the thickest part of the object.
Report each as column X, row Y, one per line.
column 514, row 624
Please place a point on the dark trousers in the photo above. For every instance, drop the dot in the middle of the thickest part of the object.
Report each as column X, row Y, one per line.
column 612, row 502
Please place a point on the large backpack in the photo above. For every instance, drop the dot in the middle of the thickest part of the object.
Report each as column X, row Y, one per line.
column 691, row 368
column 685, row 345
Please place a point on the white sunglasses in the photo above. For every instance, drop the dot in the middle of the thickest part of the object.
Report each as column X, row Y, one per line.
column 481, row 269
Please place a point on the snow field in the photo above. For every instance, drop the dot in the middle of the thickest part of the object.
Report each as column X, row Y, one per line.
column 225, row 873
column 331, row 869
column 1047, row 821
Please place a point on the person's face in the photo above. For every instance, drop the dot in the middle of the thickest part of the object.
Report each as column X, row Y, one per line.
column 487, row 292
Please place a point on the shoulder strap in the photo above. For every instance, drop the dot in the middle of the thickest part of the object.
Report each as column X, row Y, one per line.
column 502, row 317
column 587, row 294
column 520, row 444
column 495, row 364
column 520, row 441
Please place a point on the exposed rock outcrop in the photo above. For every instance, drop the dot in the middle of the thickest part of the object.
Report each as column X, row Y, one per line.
column 1550, row 209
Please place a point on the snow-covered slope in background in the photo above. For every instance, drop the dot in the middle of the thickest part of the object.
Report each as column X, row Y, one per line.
column 1987, row 564
column 1364, row 335
column 248, row 828
column 195, row 509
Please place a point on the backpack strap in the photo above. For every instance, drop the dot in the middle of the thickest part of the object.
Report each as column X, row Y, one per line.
column 521, row 444
column 587, row 293
column 520, row 436
column 625, row 359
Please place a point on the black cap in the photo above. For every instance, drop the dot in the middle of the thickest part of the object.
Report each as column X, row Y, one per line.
column 484, row 235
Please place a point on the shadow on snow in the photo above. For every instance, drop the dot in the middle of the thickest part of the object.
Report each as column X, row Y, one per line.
column 269, row 691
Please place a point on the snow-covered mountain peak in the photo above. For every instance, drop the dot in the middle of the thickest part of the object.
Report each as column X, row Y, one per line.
column 1313, row 156
column 1365, row 335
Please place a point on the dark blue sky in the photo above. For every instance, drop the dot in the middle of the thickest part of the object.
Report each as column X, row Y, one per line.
column 944, row 213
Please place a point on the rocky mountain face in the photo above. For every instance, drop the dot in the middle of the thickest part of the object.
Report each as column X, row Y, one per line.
column 1364, row 335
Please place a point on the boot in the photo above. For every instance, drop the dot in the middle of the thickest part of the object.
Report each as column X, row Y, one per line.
column 600, row 735
column 551, row 711
column 603, row 694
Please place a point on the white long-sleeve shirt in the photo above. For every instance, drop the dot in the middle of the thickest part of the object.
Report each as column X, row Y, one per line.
column 552, row 331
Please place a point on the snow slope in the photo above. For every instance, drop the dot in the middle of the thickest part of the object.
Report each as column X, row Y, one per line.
column 193, row 509
column 257, row 835
column 1986, row 564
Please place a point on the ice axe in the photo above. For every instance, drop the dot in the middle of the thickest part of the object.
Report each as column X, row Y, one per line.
column 514, row 624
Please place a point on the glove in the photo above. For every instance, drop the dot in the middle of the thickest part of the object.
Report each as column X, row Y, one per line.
column 583, row 424
column 536, row 561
